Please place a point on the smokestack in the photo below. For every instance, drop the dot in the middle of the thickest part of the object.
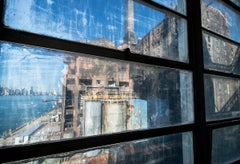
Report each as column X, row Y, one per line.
column 130, row 37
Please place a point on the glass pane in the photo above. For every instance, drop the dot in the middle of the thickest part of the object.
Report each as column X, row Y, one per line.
column 220, row 18
column 222, row 97
column 176, row 148
column 177, row 5
column 50, row 95
column 220, row 55
column 226, row 144
column 237, row 2
column 113, row 24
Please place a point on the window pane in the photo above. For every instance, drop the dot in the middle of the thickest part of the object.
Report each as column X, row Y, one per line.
column 113, row 24
column 177, row 5
column 220, row 54
column 226, row 144
column 50, row 95
column 176, row 148
column 222, row 97
column 220, row 18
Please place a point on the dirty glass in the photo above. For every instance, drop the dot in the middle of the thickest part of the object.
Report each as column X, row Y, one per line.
column 226, row 144
column 85, row 95
column 222, row 97
column 117, row 24
column 175, row 148
column 220, row 55
column 177, row 5
column 220, row 18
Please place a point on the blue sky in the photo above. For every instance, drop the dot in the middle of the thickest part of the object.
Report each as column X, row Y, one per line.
column 79, row 20
column 25, row 67
column 233, row 18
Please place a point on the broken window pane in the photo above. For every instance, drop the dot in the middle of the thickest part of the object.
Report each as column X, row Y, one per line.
column 222, row 97
column 51, row 95
column 114, row 24
column 177, row 5
column 220, row 18
column 220, row 54
column 225, row 145
column 174, row 148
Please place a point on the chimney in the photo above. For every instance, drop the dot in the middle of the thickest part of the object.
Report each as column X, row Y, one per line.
column 130, row 36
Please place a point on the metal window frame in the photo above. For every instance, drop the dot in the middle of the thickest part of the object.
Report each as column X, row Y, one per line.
column 201, row 129
column 211, row 125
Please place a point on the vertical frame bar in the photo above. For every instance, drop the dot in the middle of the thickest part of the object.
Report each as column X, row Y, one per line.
column 200, row 133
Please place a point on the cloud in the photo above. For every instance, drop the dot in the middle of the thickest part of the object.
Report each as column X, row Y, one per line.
column 50, row 2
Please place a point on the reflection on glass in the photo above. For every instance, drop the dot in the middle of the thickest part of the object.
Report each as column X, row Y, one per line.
column 237, row 2
column 177, row 5
column 220, row 18
column 220, row 54
column 222, row 97
column 54, row 95
column 226, row 144
column 114, row 24
column 176, row 148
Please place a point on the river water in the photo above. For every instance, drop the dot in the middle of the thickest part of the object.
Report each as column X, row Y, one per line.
column 15, row 111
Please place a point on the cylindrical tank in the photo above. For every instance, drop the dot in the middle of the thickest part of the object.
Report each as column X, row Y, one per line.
column 136, row 114
column 92, row 118
column 114, row 116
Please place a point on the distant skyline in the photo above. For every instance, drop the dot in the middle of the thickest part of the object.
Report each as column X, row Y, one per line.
column 25, row 67
column 86, row 20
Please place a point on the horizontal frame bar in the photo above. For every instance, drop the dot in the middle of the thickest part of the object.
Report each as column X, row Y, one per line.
column 223, row 123
column 27, row 38
column 159, row 7
column 219, row 73
column 220, row 36
column 21, row 152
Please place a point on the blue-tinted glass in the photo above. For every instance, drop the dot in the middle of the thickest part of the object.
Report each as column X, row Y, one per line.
column 222, row 97
column 113, row 24
column 177, row 5
column 52, row 95
column 175, row 148
column 220, row 18
column 220, row 55
column 226, row 145
column 237, row 2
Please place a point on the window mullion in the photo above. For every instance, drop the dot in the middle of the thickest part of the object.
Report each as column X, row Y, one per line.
column 201, row 141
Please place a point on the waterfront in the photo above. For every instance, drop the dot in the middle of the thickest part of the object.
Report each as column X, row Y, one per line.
column 16, row 111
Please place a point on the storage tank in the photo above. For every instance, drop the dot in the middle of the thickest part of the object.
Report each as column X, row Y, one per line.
column 114, row 116
column 136, row 114
column 92, row 118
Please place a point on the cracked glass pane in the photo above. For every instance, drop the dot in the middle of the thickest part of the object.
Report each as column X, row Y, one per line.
column 114, row 24
column 52, row 95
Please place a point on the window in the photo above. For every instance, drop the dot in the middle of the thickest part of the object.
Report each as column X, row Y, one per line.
column 221, row 77
column 123, row 81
